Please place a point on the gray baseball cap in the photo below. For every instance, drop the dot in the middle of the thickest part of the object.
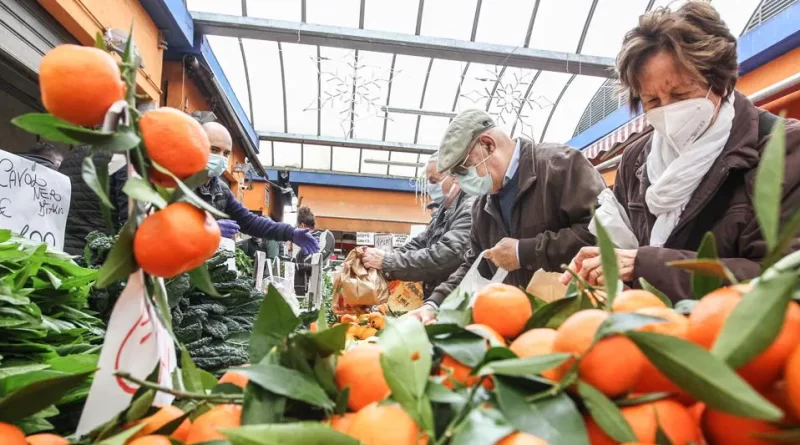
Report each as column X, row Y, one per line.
column 465, row 127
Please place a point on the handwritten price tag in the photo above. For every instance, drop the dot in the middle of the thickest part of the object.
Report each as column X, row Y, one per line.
column 135, row 342
column 34, row 200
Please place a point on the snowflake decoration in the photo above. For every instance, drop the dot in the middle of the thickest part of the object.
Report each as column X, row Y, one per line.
column 510, row 103
column 351, row 91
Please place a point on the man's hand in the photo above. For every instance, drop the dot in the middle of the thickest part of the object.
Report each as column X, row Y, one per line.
column 426, row 314
column 373, row 258
column 588, row 265
column 504, row 254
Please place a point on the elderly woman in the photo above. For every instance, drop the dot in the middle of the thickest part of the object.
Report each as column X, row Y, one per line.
column 695, row 172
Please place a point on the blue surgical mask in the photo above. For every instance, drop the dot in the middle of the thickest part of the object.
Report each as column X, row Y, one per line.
column 216, row 165
column 473, row 184
column 436, row 192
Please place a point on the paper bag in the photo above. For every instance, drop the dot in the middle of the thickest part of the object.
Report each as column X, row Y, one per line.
column 404, row 296
column 355, row 285
column 546, row 285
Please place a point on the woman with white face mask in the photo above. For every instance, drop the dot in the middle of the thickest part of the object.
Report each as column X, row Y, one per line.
column 694, row 172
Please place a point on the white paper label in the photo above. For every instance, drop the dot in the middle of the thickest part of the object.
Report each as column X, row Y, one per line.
column 399, row 240
column 365, row 238
column 34, row 200
column 384, row 242
column 135, row 342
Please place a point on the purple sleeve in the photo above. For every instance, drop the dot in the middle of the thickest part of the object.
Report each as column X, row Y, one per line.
column 254, row 225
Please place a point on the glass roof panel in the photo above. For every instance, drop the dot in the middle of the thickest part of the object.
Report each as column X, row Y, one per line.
column 570, row 109
column 397, row 170
column 401, row 127
column 375, row 155
column 265, row 74
column 558, row 27
column 337, row 67
column 431, row 130
column 612, row 19
column 265, row 153
column 477, row 86
column 300, row 68
column 372, row 86
column 380, row 15
column 409, row 77
column 335, row 13
column 316, row 157
column 510, row 16
column 229, row 54
column 287, row 154
column 539, row 103
column 509, row 96
column 442, row 85
column 345, row 159
column 450, row 19
column 272, row 9
column 215, row 6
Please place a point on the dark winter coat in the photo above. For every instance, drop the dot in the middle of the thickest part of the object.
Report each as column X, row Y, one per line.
column 722, row 204
column 433, row 255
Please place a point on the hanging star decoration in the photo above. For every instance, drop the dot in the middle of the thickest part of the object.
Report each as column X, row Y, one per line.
column 351, row 90
column 511, row 102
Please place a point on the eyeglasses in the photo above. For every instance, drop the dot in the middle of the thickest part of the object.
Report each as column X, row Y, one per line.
column 462, row 169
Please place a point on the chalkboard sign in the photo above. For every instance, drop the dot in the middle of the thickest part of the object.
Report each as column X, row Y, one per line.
column 34, row 200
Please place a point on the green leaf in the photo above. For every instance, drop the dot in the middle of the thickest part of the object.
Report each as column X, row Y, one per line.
column 260, row 405
column 707, row 267
column 652, row 289
column 644, row 398
column 207, row 379
column 608, row 256
column 299, row 433
column 99, row 41
column 141, row 190
column 120, row 262
column 406, row 363
column 466, row 348
column 322, row 321
column 202, row 280
column 704, row 284
column 98, row 183
column 45, row 125
column 767, row 192
column 189, row 196
column 439, row 393
column 482, row 426
column 192, row 182
column 122, row 438
column 756, row 321
column 661, row 435
column 341, row 401
column 606, row 414
column 787, row 237
column 324, row 372
column 8, row 371
column 37, row 396
column 554, row 419
column 327, row 342
column 120, row 141
column 521, row 367
column 790, row 436
column 703, row 376
column 192, row 380
column 554, row 313
column 274, row 322
column 170, row 427
column 287, row 382
column 621, row 322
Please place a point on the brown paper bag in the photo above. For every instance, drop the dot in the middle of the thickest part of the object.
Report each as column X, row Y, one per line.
column 404, row 296
column 355, row 285
column 547, row 286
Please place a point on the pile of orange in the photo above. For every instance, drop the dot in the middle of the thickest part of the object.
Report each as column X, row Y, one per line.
column 362, row 326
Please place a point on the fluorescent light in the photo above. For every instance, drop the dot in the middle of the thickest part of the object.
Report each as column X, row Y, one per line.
column 448, row 114
column 394, row 163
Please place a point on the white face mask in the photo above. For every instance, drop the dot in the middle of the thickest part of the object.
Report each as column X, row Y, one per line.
column 682, row 123
column 216, row 165
column 474, row 184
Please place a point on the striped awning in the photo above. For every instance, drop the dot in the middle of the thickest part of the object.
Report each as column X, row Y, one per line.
column 616, row 137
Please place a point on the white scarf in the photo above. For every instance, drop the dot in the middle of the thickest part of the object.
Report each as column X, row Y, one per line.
column 675, row 176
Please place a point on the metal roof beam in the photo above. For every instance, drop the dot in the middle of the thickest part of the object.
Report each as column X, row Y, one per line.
column 397, row 43
column 346, row 142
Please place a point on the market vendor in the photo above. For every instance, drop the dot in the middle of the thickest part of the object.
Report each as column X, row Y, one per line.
column 302, row 260
column 433, row 255
column 218, row 194
column 534, row 201
column 695, row 172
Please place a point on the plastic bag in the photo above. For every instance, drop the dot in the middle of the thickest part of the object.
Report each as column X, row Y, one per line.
column 355, row 285
column 473, row 281
column 615, row 220
column 285, row 288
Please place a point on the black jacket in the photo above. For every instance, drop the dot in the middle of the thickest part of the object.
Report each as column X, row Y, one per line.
column 437, row 252
column 85, row 214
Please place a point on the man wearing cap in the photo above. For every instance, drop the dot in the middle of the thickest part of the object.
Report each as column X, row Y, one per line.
column 534, row 201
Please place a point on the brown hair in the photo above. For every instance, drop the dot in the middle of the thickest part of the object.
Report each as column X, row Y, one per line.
column 699, row 40
column 306, row 217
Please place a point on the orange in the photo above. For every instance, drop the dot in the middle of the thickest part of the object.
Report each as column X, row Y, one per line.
column 175, row 240
column 175, row 141
column 520, row 438
column 313, row 327
column 791, row 375
column 535, row 342
column 650, row 378
column 675, row 420
column 46, row 439
column 460, row 372
column 635, row 299
column 151, row 440
column 723, row 429
column 709, row 316
column 206, row 427
column 359, row 369
column 384, row 425
column 342, row 423
column 235, row 378
column 163, row 416
column 11, row 435
column 503, row 308
column 612, row 365
column 79, row 83
column 486, row 332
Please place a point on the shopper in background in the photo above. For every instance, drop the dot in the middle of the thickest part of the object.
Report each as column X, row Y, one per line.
column 46, row 154
column 217, row 193
column 695, row 172
column 433, row 255
column 534, row 201
column 302, row 259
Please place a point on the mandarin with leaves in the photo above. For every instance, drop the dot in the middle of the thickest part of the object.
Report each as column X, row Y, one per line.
column 791, row 375
column 11, row 435
column 506, row 309
column 359, row 369
column 165, row 415
column 674, row 419
column 207, row 426
column 46, row 439
column 535, row 342
column 651, row 380
column 384, row 425
column 175, row 141
column 634, row 299
column 722, row 429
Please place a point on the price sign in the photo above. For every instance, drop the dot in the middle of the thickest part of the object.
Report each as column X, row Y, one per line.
column 399, row 240
column 384, row 242
column 34, row 200
column 365, row 238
